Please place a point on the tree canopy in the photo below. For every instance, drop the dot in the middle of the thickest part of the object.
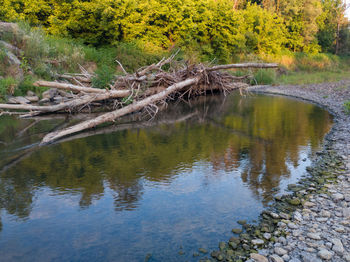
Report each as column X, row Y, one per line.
column 215, row 27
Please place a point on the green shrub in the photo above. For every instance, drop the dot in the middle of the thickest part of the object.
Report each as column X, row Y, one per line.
column 264, row 77
column 7, row 86
column 347, row 107
column 104, row 76
column 27, row 85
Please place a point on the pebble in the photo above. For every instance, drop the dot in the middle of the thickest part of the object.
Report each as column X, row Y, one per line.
column 276, row 258
column 280, row 251
column 346, row 213
column 294, row 259
column 257, row 242
column 337, row 246
column 337, row 197
column 258, row 257
column 267, row 236
column 18, row 100
column 325, row 254
column 292, row 226
column 319, row 229
column 308, row 257
column 314, row 236
column 309, row 204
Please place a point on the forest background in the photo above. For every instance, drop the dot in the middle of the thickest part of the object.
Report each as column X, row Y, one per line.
column 300, row 35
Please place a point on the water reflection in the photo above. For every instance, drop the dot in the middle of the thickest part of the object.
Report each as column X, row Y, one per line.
column 192, row 153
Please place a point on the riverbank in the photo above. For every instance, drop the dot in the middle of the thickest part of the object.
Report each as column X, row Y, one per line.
column 319, row 230
column 313, row 222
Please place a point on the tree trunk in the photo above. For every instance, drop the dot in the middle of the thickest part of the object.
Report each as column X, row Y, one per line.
column 108, row 117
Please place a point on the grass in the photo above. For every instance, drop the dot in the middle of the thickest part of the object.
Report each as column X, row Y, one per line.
column 347, row 107
column 44, row 56
column 7, row 86
column 303, row 78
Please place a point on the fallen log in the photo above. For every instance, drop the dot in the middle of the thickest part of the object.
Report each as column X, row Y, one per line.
column 133, row 92
column 202, row 77
column 243, row 65
column 70, row 104
column 69, row 87
column 108, row 117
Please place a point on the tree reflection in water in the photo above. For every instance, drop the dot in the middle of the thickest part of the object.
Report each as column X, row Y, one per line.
column 261, row 135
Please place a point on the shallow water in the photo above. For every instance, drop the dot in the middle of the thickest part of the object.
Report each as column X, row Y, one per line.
column 172, row 185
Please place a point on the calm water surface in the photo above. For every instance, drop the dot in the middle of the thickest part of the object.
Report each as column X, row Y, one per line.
column 177, row 183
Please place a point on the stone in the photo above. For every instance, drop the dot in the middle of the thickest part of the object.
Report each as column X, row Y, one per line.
column 294, row 201
column 297, row 216
column 257, row 242
column 222, row 245
column 294, row 259
column 337, row 197
column 284, row 216
column 203, row 250
column 325, row 213
column 296, row 233
column 314, row 236
column 258, row 258
column 276, row 258
column 309, row 204
column 337, row 246
column 274, row 215
column 18, row 100
column 242, row 222
column 280, row 251
column 32, row 99
column 346, row 213
column 292, row 226
column 309, row 257
column 30, row 93
column 49, row 94
column 235, row 240
column 233, row 245
column 282, row 240
column 347, row 257
column 325, row 254
column 237, row 230
column 267, row 236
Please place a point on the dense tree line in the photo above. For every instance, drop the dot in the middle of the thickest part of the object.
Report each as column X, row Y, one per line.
column 219, row 27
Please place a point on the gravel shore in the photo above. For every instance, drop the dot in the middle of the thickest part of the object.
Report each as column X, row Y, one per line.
column 312, row 223
column 319, row 230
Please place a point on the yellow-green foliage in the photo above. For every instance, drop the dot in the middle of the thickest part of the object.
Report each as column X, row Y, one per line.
column 347, row 107
column 212, row 27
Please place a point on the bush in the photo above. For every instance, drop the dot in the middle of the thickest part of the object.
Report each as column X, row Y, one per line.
column 27, row 85
column 7, row 86
column 264, row 77
column 347, row 107
column 104, row 76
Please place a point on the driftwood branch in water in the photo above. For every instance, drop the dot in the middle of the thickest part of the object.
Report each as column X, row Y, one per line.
column 70, row 105
column 131, row 93
column 108, row 117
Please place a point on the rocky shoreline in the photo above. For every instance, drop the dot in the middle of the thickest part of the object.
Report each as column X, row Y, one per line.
column 312, row 224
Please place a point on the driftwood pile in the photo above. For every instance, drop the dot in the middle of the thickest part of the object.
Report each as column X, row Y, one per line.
column 145, row 89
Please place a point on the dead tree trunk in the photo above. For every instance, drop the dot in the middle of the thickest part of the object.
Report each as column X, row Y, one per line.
column 143, row 89
column 108, row 117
